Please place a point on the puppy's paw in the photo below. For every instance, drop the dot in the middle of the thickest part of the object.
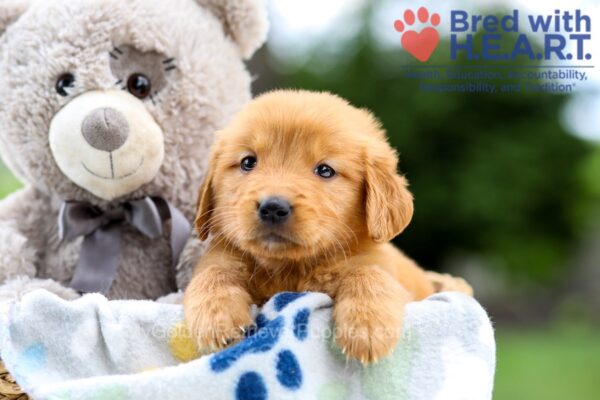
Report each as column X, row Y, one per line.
column 367, row 330
column 449, row 283
column 216, row 322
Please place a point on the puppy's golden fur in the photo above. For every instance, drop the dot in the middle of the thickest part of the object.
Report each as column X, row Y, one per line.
column 336, row 238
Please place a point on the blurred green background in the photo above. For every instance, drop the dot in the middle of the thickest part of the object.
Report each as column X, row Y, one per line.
column 506, row 193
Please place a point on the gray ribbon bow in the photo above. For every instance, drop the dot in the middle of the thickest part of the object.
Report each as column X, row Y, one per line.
column 101, row 248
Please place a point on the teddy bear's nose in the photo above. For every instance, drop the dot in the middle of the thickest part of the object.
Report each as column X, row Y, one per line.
column 105, row 129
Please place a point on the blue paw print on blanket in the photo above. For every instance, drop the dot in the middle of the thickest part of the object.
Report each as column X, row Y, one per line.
column 32, row 359
column 285, row 298
column 261, row 339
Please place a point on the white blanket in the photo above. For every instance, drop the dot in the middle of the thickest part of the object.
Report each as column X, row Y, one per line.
column 95, row 349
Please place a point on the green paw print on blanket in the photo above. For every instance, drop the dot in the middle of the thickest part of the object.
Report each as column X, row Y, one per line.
column 381, row 381
column 334, row 390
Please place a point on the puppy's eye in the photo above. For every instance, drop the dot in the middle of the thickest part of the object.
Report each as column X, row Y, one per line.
column 139, row 85
column 64, row 82
column 248, row 164
column 325, row 171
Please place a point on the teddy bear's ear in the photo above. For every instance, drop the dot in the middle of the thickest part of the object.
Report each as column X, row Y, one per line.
column 10, row 11
column 245, row 21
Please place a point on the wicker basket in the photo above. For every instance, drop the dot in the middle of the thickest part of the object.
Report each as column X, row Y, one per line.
column 8, row 388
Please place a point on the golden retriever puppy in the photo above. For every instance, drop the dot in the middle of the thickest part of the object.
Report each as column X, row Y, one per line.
column 302, row 194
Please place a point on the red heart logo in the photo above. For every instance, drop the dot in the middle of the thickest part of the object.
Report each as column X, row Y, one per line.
column 422, row 44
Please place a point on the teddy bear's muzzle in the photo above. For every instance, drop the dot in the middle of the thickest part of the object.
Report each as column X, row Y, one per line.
column 107, row 142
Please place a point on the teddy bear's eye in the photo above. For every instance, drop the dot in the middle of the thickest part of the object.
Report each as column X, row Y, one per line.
column 64, row 82
column 324, row 171
column 139, row 85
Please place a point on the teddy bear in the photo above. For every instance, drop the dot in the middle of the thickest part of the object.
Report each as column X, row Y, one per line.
column 107, row 112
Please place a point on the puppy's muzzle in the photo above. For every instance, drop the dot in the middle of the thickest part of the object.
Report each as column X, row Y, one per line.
column 274, row 210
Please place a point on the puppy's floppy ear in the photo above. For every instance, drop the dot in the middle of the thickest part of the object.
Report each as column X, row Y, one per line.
column 389, row 204
column 244, row 21
column 10, row 11
column 206, row 201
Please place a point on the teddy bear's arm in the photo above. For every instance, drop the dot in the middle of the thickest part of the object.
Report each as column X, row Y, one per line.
column 17, row 252
column 188, row 260
column 22, row 232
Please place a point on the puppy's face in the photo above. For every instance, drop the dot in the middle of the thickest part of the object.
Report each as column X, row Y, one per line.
column 300, row 175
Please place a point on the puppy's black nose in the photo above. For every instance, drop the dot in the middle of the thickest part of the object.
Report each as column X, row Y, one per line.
column 274, row 210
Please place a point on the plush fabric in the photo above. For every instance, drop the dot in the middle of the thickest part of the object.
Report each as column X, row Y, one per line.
column 95, row 349
column 193, row 53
